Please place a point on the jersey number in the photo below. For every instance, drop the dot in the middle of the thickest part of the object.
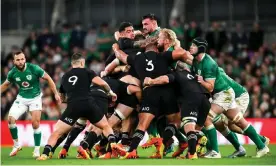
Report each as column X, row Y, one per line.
column 189, row 76
column 150, row 66
column 73, row 79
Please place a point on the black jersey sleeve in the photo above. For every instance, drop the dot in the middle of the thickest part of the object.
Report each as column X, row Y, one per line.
column 131, row 59
column 168, row 56
column 109, row 59
column 91, row 74
column 125, row 43
column 171, row 77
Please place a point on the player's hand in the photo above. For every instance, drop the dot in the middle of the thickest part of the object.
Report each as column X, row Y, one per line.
column 147, row 81
column 103, row 73
column 125, row 68
column 137, row 32
column 199, row 79
column 58, row 99
column 115, row 46
column 113, row 96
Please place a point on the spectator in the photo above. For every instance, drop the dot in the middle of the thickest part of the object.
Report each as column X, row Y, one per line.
column 105, row 40
column 192, row 32
column 256, row 38
column 46, row 38
column 179, row 31
column 78, row 35
column 239, row 39
column 32, row 44
column 64, row 38
column 216, row 37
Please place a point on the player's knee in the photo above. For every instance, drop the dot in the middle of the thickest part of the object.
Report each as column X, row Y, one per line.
column 35, row 124
column 237, row 118
column 212, row 115
column 11, row 120
column 188, row 121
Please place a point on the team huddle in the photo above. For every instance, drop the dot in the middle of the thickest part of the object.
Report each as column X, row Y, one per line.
column 150, row 84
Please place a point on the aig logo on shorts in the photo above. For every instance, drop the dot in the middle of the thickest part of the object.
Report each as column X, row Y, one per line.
column 68, row 120
column 193, row 113
column 145, row 109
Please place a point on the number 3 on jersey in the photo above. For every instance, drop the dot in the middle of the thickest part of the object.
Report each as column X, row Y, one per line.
column 150, row 66
column 73, row 79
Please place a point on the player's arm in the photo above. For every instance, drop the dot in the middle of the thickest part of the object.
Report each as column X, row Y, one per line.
column 110, row 67
column 121, row 55
column 122, row 68
column 136, row 90
column 100, row 82
column 52, row 86
column 181, row 54
column 5, row 86
column 209, row 79
column 161, row 80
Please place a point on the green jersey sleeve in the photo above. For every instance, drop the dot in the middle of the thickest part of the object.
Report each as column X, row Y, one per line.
column 10, row 76
column 38, row 70
column 210, row 71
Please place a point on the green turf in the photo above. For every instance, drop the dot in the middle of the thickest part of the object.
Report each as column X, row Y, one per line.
column 24, row 158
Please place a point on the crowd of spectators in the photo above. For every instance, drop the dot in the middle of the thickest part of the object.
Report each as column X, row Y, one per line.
column 244, row 55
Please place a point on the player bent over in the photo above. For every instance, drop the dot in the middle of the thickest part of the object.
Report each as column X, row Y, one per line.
column 26, row 76
column 76, row 85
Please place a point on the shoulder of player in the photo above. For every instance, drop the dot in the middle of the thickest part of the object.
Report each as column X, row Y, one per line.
column 12, row 71
column 209, row 60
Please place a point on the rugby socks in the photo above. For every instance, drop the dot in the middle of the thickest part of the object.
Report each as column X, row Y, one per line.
column 152, row 130
column 125, row 138
column 136, row 139
column 208, row 145
column 169, row 132
column 262, row 138
column 252, row 134
column 89, row 140
column 232, row 138
column 192, row 140
column 181, row 137
column 14, row 133
column 111, row 139
column 47, row 149
column 212, row 137
column 76, row 130
column 37, row 138
column 103, row 143
column 59, row 141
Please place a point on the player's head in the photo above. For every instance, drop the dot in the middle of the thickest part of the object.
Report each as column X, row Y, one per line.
column 166, row 37
column 19, row 60
column 150, row 44
column 126, row 30
column 77, row 60
column 149, row 22
column 198, row 46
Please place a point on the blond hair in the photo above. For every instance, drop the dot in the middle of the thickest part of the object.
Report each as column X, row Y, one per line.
column 170, row 34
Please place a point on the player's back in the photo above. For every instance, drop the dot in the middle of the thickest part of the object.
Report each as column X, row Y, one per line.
column 76, row 84
column 152, row 64
column 187, row 83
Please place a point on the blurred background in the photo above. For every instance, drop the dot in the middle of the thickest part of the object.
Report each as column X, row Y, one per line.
column 241, row 36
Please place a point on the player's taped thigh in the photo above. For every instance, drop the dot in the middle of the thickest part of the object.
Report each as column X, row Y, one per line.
column 238, row 117
column 119, row 115
column 212, row 114
column 217, row 119
column 188, row 120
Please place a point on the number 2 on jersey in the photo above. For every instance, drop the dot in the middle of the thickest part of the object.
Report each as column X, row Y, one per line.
column 150, row 66
column 73, row 79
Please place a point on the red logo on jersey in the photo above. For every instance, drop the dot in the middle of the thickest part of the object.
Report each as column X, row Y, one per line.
column 25, row 84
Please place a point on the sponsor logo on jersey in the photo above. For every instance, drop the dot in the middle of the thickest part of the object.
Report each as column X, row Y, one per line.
column 199, row 72
column 25, row 84
column 68, row 120
column 17, row 79
column 29, row 77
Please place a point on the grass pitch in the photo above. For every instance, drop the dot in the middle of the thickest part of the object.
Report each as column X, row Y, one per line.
column 24, row 157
